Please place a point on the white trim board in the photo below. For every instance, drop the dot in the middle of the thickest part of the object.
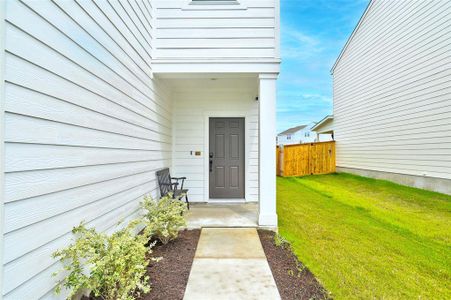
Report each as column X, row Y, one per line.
column 214, row 5
column 277, row 25
column 2, row 144
column 226, row 201
column 224, row 114
column 161, row 67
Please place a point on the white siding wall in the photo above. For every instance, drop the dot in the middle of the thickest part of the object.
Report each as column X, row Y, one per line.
column 295, row 138
column 325, row 138
column 202, row 31
column 392, row 91
column 85, row 128
column 193, row 103
column 306, row 135
column 298, row 137
column 326, row 126
column 283, row 140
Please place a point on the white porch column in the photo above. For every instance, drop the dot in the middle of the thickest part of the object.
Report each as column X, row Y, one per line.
column 267, row 151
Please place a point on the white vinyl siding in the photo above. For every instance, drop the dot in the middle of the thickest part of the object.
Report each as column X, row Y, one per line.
column 327, row 126
column 203, row 31
column 304, row 135
column 191, row 108
column 392, row 91
column 86, row 127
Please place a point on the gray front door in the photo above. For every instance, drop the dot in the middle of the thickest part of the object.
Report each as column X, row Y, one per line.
column 226, row 158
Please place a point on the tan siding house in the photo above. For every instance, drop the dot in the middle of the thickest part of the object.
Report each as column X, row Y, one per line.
column 392, row 94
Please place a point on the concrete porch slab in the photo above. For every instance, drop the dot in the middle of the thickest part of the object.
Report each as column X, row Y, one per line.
column 229, row 243
column 222, row 215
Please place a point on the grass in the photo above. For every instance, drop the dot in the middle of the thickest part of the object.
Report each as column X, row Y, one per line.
column 368, row 239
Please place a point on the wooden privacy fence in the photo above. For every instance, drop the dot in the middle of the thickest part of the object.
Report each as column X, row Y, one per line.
column 306, row 159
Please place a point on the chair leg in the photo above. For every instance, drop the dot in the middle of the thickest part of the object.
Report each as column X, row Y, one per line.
column 186, row 200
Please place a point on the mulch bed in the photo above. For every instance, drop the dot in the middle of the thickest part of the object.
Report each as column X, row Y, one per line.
column 169, row 276
column 293, row 279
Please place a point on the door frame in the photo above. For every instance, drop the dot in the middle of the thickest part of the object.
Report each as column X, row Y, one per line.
column 224, row 114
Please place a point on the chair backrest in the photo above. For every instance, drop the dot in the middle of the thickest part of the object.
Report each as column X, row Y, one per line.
column 164, row 181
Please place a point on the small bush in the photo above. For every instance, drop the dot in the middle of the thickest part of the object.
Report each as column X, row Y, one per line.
column 111, row 267
column 280, row 241
column 164, row 218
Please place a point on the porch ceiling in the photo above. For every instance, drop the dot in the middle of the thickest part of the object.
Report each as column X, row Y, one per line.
column 205, row 75
column 213, row 82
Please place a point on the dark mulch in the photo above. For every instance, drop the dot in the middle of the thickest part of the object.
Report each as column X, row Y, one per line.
column 293, row 279
column 169, row 276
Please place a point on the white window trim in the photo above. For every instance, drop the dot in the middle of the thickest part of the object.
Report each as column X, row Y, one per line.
column 212, row 4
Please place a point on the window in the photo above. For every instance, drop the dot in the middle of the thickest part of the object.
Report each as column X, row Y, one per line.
column 231, row 4
column 289, row 137
column 307, row 134
column 214, row 2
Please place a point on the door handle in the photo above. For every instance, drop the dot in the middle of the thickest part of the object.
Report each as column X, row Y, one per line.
column 211, row 162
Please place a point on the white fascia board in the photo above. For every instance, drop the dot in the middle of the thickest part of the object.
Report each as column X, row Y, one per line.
column 220, row 66
column 320, row 123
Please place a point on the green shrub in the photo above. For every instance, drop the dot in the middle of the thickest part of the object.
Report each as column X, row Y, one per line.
column 111, row 267
column 280, row 241
column 164, row 218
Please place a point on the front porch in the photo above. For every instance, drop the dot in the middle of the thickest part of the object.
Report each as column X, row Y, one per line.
column 222, row 215
column 223, row 140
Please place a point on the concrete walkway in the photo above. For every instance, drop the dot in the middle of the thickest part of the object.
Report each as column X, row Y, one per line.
column 230, row 264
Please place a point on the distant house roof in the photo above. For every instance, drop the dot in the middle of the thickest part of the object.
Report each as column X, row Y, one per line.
column 292, row 130
column 370, row 3
column 324, row 120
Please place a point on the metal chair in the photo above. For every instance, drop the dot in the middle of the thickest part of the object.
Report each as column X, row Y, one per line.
column 170, row 184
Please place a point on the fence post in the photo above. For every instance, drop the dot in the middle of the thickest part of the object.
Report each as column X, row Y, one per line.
column 282, row 163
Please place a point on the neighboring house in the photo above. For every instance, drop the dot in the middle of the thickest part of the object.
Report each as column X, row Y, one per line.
column 392, row 94
column 297, row 135
column 324, row 129
column 98, row 95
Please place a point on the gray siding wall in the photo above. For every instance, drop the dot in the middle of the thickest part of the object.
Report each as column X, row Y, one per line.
column 85, row 128
column 392, row 91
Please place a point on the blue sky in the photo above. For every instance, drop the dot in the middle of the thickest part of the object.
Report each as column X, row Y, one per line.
column 313, row 33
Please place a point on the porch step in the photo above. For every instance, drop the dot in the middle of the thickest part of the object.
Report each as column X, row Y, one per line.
column 241, row 215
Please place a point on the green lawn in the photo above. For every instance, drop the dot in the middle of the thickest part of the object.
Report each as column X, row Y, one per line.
column 366, row 238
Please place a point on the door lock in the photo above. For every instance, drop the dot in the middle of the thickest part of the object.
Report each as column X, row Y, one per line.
column 211, row 161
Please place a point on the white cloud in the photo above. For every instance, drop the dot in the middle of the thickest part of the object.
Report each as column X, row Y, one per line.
column 292, row 102
column 299, row 45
